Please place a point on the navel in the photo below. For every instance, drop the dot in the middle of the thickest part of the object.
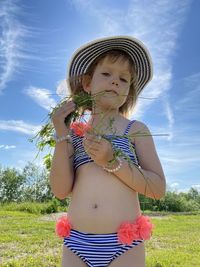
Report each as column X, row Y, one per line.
column 95, row 206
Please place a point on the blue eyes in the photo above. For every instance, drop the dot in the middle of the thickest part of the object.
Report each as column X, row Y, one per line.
column 108, row 74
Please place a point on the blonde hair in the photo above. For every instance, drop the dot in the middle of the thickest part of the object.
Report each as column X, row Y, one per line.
column 76, row 86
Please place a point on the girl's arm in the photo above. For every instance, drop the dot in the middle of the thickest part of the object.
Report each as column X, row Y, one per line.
column 148, row 180
column 62, row 173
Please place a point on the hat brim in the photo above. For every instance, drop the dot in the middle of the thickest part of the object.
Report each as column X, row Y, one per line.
column 86, row 54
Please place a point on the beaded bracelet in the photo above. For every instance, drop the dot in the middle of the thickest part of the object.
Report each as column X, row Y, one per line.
column 62, row 138
column 115, row 169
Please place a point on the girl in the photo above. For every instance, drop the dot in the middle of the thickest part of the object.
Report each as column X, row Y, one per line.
column 104, row 225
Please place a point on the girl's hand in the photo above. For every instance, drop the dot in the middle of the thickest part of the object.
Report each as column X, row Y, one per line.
column 100, row 150
column 60, row 114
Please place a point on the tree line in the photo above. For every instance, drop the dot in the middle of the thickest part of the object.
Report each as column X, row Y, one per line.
column 32, row 184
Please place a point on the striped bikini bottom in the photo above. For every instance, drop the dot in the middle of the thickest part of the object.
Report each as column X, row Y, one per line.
column 99, row 250
column 96, row 250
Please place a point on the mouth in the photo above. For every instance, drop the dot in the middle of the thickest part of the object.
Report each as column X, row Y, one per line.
column 111, row 91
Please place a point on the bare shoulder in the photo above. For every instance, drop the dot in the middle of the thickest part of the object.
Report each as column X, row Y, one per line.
column 142, row 137
column 138, row 129
column 145, row 147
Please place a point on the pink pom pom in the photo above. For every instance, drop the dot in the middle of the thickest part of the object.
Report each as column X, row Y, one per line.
column 145, row 227
column 63, row 227
column 140, row 229
column 127, row 233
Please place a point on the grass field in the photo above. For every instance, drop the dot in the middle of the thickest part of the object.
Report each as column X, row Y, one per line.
column 29, row 240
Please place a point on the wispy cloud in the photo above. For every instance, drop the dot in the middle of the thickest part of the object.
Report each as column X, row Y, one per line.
column 173, row 186
column 62, row 89
column 24, row 156
column 6, row 147
column 110, row 20
column 11, row 41
column 41, row 96
column 182, row 150
column 19, row 126
column 185, row 160
column 16, row 50
column 169, row 115
column 190, row 96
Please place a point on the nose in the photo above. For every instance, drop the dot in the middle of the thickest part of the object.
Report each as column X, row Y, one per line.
column 115, row 82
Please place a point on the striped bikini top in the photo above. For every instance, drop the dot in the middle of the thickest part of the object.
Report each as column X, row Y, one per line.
column 122, row 144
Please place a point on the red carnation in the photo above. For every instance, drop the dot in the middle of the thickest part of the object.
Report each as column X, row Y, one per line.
column 80, row 128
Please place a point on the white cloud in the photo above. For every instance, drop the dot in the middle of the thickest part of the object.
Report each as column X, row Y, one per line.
column 15, row 49
column 190, row 96
column 62, row 89
column 169, row 114
column 174, row 185
column 28, row 156
column 19, row 126
column 6, row 147
column 182, row 161
column 109, row 20
column 182, row 151
column 192, row 79
column 41, row 96
column 11, row 42
column 196, row 186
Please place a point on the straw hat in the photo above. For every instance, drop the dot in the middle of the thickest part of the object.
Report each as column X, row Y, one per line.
column 86, row 54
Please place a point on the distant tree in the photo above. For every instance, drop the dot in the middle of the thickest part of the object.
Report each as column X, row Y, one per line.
column 194, row 194
column 11, row 184
column 173, row 201
column 31, row 184
column 36, row 187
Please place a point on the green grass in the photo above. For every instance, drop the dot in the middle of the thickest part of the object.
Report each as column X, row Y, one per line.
column 29, row 240
column 175, row 242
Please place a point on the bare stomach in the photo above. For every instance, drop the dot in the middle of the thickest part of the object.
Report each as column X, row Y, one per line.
column 100, row 201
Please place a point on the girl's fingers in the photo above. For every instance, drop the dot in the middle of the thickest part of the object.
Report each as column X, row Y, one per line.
column 93, row 138
column 93, row 155
column 90, row 147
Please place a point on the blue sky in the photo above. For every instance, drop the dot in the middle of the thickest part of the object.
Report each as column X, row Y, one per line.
column 37, row 38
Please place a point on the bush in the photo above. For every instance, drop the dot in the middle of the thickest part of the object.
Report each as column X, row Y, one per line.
column 34, row 207
column 172, row 202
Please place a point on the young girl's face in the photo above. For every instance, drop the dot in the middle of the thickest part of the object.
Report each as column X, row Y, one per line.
column 112, row 79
